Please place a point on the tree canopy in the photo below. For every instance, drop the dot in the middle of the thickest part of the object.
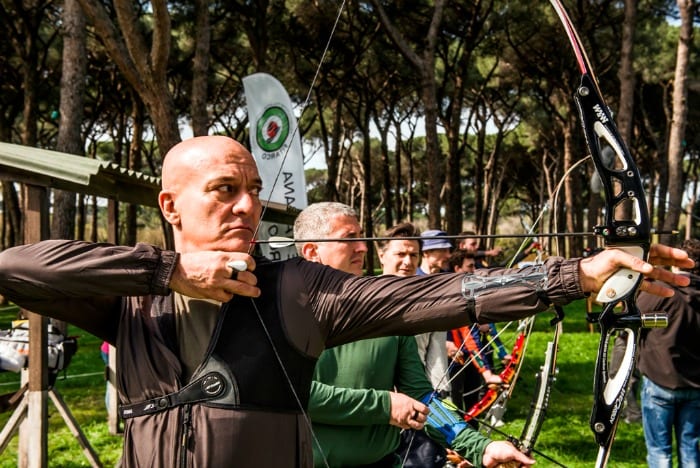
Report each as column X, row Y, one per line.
column 453, row 115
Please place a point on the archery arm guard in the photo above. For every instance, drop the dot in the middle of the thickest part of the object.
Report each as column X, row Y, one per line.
column 444, row 418
column 475, row 285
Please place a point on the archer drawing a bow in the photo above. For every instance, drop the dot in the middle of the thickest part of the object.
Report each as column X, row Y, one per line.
column 624, row 194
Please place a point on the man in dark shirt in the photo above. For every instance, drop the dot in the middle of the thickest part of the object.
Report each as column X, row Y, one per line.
column 669, row 359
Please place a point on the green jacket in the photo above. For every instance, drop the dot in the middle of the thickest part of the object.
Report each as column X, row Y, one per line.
column 350, row 404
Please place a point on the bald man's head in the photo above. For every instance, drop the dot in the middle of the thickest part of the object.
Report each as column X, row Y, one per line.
column 191, row 154
column 210, row 188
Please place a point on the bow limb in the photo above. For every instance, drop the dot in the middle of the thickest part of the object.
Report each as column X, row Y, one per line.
column 545, row 380
column 626, row 227
column 540, row 402
column 494, row 401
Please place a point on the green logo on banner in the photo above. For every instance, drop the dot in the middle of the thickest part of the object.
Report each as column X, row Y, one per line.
column 272, row 129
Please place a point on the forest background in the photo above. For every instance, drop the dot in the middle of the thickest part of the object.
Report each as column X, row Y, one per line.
column 451, row 114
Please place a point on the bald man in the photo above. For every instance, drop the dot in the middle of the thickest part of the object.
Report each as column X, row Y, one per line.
column 216, row 349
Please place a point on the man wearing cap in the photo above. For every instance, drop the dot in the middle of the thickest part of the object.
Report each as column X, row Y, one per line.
column 431, row 346
column 436, row 252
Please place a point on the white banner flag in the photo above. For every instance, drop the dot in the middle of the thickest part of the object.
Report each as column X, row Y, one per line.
column 276, row 146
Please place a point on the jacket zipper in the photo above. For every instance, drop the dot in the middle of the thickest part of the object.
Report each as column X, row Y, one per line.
column 186, row 426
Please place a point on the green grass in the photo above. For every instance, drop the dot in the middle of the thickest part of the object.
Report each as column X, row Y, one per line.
column 565, row 434
column 82, row 387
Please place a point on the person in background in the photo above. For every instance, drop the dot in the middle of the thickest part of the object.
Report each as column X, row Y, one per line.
column 669, row 361
column 365, row 392
column 209, row 312
column 470, row 243
column 104, row 354
column 400, row 256
column 462, row 261
column 431, row 346
column 466, row 367
column 435, row 253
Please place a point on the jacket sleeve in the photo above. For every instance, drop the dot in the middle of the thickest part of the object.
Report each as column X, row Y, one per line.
column 329, row 404
column 447, row 427
column 471, row 444
column 349, row 307
column 82, row 282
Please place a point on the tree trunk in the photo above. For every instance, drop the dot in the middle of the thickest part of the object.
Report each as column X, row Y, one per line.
column 29, row 85
column 676, row 146
column 569, row 190
column 144, row 69
column 367, row 195
column 200, row 69
column 626, row 72
column 399, row 207
column 134, row 163
column 27, row 43
column 12, row 222
column 627, row 84
column 425, row 67
column 74, row 66
column 386, row 175
column 436, row 167
column 333, row 159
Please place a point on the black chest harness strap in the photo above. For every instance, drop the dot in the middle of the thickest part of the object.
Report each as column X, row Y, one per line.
column 213, row 383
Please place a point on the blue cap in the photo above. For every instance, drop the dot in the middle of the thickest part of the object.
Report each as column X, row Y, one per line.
column 432, row 244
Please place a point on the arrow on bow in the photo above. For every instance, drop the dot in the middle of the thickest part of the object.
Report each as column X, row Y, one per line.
column 279, row 242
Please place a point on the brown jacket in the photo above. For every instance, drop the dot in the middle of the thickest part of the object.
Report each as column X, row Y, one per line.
column 670, row 356
column 120, row 294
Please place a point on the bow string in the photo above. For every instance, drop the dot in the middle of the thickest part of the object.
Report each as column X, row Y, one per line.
column 278, row 356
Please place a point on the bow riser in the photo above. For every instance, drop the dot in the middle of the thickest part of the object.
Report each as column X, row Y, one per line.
column 624, row 195
column 622, row 181
column 626, row 227
column 624, row 192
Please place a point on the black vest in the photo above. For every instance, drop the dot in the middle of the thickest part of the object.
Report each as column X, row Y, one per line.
column 243, row 364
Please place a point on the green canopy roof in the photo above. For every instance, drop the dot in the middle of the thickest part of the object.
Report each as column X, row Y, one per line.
column 64, row 171
column 79, row 174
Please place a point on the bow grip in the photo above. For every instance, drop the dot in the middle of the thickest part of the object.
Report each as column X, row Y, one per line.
column 623, row 281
